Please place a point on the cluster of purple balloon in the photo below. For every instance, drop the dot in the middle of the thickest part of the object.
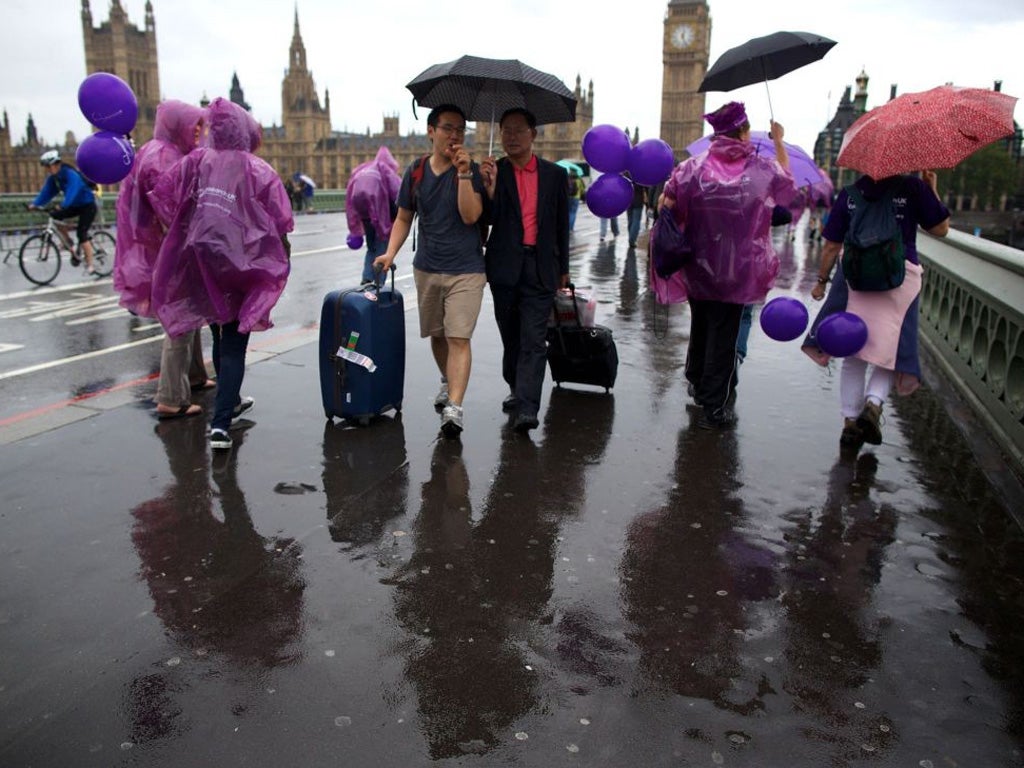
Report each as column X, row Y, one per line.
column 607, row 148
column 109, row 104
column 841, row 334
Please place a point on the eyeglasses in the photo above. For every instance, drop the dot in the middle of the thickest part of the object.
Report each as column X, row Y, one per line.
column 509, row 131
column 457, row 130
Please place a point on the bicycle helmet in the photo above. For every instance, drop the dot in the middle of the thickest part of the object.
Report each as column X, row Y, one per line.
column 50, row 157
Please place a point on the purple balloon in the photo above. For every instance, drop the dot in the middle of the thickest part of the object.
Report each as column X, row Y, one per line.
column 651, row 162
column 105, row 157
column 609, row 196
column 783, row 318
column 108, row 103
column 355, row 242
column 606, row 148
column 842, row 334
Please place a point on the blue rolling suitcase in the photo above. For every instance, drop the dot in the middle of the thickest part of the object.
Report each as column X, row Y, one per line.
column 362, row 352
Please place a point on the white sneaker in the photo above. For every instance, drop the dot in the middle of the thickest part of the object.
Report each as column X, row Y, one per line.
column 441, row 401
column 451, row 420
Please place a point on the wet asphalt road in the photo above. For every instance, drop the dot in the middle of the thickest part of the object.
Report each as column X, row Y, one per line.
column 622, row 588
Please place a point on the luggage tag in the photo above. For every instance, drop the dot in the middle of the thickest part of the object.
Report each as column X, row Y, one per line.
column 348, row 353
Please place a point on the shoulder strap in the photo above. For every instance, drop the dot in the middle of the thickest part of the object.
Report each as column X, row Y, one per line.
column 417, row 177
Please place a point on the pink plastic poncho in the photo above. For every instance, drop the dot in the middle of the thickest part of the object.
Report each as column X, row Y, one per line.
column 222, row 259
column 371, row 190
column 139, row 233
column 724, row 197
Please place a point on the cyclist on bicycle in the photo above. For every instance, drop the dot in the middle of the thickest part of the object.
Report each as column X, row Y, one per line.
column 78, row 200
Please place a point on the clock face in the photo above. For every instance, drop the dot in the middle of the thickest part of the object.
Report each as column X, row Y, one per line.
column 682, row 36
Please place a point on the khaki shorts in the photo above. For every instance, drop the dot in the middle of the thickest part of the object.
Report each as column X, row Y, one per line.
column 449, row 304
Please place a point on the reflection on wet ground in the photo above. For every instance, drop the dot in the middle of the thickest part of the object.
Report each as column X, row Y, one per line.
column 620, row 587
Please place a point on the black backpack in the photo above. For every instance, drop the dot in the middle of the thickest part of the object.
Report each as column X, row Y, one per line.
column 873, row 252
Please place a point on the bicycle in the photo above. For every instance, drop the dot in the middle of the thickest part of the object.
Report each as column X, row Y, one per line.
column 40, row 254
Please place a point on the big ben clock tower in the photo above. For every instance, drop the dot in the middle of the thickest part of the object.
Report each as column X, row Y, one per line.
column 685, row 56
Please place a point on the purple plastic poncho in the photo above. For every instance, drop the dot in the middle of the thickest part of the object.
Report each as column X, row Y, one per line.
column 223, row 258
column 724, row 198
column 139, row 233
column 371, row 192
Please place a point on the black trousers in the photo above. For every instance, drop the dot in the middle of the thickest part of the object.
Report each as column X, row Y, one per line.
column 711, row 365
column 522, row 311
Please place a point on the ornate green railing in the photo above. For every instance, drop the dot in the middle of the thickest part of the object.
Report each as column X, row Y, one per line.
column 972, row 320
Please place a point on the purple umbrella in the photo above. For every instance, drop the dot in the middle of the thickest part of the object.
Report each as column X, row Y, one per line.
column 805, row 170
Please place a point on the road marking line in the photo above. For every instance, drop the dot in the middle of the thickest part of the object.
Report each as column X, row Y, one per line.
column 77, row 358
column 58, row 289
column 10, row 347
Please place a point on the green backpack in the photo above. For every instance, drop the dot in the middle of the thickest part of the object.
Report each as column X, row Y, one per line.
column 873, row 251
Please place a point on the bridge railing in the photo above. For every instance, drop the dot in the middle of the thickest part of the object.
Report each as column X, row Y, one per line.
column 972, row 320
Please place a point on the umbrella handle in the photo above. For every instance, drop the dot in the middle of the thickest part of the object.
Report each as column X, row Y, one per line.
column 771, row 112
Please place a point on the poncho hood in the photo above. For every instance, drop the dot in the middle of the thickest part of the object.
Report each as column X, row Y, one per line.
column 231, row 127
column 176, row 124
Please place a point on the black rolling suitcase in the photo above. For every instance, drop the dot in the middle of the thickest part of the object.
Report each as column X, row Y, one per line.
column 582, row 355
column 362, row 352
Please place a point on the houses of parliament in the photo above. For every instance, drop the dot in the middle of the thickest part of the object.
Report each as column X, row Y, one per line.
column 305, row 142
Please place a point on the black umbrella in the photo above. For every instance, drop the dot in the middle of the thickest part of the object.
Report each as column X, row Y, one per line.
column 485, row 88
column 764, row 58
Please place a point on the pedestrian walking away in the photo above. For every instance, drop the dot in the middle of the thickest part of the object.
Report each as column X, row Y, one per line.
column 527, row 258
column 370, row 205
column 176, row 132
column 225, row 260
column 723, row 198
column 446, row 191
column 890, row 356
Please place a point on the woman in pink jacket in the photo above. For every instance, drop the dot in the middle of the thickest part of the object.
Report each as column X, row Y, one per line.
column 723, row 198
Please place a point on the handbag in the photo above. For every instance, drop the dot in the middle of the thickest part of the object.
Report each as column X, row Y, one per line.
column 670, row 248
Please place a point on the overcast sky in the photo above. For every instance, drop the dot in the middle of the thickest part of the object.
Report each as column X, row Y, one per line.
column 365, row 53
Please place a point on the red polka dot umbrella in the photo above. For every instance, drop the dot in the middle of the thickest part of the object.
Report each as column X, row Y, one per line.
column 921, row 131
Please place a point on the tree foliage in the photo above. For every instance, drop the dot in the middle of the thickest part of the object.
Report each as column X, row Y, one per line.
column 986, row 176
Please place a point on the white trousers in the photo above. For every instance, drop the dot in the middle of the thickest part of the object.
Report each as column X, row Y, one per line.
column 852, row 388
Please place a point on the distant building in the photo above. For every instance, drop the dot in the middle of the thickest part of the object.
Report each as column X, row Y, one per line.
column 686, row 46
column 303, row 143
column 830, row 140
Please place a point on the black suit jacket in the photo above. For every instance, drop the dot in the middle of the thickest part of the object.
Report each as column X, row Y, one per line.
column 504, row 254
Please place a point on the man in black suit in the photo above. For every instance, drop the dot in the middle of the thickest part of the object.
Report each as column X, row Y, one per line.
column 527, row 257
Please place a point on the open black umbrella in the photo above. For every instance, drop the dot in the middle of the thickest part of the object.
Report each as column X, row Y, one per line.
column 764, row 58
column 485, row 88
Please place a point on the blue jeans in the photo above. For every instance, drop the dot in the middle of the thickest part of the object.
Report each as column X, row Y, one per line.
column 615, row 226
column 574, row 205
column 634, row 218
column 229, row 361
column 374, row 248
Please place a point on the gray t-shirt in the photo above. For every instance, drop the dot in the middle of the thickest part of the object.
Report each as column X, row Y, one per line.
column 446, row 244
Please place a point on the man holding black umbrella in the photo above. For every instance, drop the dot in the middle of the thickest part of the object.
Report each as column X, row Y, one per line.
column 446, row 191
column 527, row 257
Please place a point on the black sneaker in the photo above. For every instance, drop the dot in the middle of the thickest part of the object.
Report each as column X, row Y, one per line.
column 524, row 423
column 75, row 261
column 510, row 403
column 220, row 440
column 718, row 418
column 243, row 408
column 869, row 423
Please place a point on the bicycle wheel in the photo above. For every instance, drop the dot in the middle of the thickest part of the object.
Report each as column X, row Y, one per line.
column 39, row 259
column 103, row 253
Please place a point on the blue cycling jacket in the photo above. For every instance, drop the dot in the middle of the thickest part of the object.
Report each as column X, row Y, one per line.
column 70, row 182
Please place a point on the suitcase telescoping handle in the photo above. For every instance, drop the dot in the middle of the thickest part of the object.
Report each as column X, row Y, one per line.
column 558, row 320
column 379, row 278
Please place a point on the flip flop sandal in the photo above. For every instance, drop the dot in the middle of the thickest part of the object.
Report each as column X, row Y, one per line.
column 208, row 384
column 183, row 412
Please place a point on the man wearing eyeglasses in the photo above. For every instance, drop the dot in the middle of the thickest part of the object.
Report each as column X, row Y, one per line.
column 527, row 258
column 446, row 190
